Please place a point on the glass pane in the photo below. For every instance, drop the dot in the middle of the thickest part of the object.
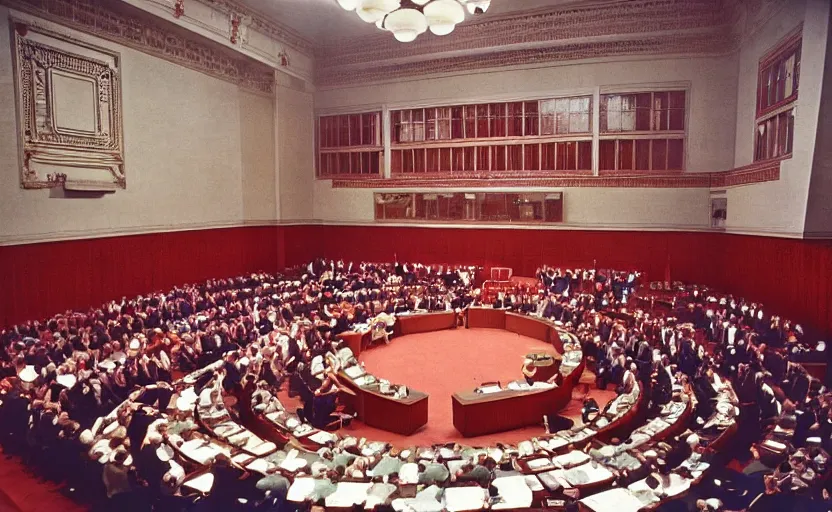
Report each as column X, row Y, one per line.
column 585, row 155
column 469, row 158
column 457, row 123
column 470, row 122
column 515, row 119
column 579, row 123
column 642, row 155
column 547, row 117
column 606, row 155
column 418, row 160
column 396, row 161
column 498, row 158
column 483, row 123
column 515, row 158
column 497, row 112
column 432, row 161
column 532, row 118
column 625, row 155
column 532, row 157
column 547, row 157
column 675, row 154
column 375, row 162
column 483, row 158
column 445, row 159
column 355, row 130
column 676, row 99
column 407, row 160
column 659, row 161
column 458, row 164
column 430, row 124
column 677, row 119
column 344, row 138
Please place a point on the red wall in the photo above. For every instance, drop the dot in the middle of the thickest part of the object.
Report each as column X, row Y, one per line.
column 793, row 277
column 40, row 280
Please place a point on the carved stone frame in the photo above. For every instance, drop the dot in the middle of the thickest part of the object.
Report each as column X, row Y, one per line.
column 76, row 154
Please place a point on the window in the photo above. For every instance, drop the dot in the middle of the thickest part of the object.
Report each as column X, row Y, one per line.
column 540, row 135
column 777, row 86
column 511, row 207
column 349, row 145
column 642, row 131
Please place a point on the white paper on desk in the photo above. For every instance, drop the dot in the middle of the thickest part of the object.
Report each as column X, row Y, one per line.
column 588, row 473
column 461, row 499
column 485, row 390
column 226, row 429
column 262, row 449
column 533, row 483
column 203, row 483
column 241, row 458
column 573, row 458
column 301, row 489
column 409, row 473
column 513, row 491
column 613, row 500
column 354, row 372
column 323, row 437
column 538, row 463
column 259, row 466
column 456, row 465
column 348, row 494
column 517, row 386
column 542, row 385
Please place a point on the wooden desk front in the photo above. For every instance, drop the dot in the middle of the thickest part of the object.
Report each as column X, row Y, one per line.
column 425, row 322
column 477, row 414
column 402, row 416
column 486, row 318
column 355, row 340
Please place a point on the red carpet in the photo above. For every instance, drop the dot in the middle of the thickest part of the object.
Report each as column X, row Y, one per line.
column 441, row 363
column 29, row 494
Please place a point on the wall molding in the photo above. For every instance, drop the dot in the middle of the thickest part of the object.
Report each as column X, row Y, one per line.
column 69, row 236
column 758, row 172
column 114, row 22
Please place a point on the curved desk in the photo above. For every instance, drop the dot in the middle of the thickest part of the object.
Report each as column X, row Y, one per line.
column 414, row 323
column 400, row 415
column 476, row 414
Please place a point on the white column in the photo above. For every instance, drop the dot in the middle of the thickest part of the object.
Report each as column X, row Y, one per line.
column 386, row 139
column 596, row 128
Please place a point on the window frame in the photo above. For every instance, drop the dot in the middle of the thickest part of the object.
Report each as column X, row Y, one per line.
column 369, row 156
column 790, row 45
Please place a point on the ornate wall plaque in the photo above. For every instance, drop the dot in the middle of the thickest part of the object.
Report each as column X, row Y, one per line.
column 69, row 110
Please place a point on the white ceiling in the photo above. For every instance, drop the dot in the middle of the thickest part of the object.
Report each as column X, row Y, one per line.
column 324, row 22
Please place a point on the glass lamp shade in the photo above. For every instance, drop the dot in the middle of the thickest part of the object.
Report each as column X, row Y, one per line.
column 477, row 6
column 373, row 10
column 443, row 15
column 420, row 2
column 406, row 24
column 348, row 5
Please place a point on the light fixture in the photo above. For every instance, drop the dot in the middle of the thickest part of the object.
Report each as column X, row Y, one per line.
column 407, row 19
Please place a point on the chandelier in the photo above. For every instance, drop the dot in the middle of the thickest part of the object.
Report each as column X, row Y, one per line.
column 407, row 19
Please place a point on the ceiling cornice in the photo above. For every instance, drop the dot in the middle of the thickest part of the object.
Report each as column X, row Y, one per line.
column 600, row 30
column 265, row 24
column 677, row 45
column 553, row 25
column 565, row 33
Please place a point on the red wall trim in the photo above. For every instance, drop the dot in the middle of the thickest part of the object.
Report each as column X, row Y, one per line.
column 791, row 277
